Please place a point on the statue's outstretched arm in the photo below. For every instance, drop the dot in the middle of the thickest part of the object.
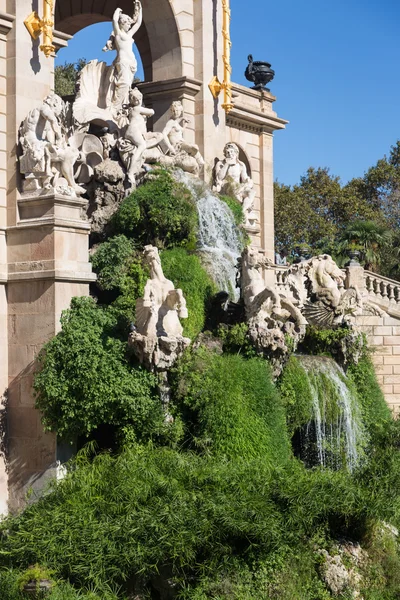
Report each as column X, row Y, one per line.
column 116, row 16
column 139, row 21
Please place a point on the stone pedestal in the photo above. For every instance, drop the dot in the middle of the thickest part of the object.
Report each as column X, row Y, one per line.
column 48, row 265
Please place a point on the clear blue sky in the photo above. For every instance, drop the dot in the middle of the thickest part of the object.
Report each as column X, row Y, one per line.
column 337, row 77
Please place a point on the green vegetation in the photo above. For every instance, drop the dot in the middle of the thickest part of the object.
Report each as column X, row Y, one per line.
column 235, row 207
column 343, row 344
column 236, row 340
column 66, row 77
column 161, row 212
column 237, row 413
column 323, row 215
column 214, row 505
column 86, row 380
column 186, row 272
column 120, row 270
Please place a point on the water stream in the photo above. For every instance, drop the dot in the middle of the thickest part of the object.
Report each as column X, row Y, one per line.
column 219, row 239
column 334, row 434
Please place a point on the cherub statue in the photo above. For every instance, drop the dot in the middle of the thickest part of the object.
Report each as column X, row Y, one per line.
column 125, row 63
column 230, row 171
column 47, row 154
column 173, row 135
column 136, row 138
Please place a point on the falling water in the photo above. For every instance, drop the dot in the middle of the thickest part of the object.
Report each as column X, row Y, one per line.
column 219, row 239
column 334, row 434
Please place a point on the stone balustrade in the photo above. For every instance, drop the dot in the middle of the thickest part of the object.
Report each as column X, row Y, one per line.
column 381, row 289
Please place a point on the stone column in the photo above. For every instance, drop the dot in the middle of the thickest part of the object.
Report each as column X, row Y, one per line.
column 47, row 256
column 6, row 22
column 210, row 120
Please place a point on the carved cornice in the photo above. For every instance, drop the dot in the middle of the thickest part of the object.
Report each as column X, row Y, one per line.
column 6, row 22
column 246, row 119
column 61, row 39
column 173, row 88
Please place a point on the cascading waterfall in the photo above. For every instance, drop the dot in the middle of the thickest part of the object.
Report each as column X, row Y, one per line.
column 219, row 241
column 334, row 434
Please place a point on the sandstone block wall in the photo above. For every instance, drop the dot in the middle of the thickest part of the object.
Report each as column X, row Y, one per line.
column 384, row 337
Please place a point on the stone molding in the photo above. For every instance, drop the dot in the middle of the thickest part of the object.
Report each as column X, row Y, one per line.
column 244, row 118
column 54, row 274
column 6, row 23
column 50, row 208
column 171, row 88
column 61, row 39
column 253, row 111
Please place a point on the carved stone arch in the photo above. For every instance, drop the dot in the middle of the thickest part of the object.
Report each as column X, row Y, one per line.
column 158, row 39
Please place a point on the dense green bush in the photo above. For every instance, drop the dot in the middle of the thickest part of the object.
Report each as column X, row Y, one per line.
column 235, row 340
column 85, row 379
column 121, row 274
column 186, row 272
column 230, row 406
column 151, row 514
column 160, row 212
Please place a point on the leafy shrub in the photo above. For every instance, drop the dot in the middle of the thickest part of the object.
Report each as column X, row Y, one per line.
column 85, row 379
column 121, row 274
column 235, row 340
column 230, row 406
column 160, row 212
column 187, row 273
column 154, row 516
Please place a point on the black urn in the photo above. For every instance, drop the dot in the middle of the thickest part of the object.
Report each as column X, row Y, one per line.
column 260, row 73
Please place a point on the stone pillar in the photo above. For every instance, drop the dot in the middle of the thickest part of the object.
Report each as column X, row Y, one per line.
column 210, row 122
column 47, row 260
column 48, row 265
column 6, row 22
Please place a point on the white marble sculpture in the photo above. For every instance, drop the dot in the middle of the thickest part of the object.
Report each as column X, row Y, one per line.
column 185, row 155
column 230, row 175
column 104, row 90
column 136, row 139
column 125, row 63
column 317, row 287
column 48, row 160
column 158, row 337
column 270, row 316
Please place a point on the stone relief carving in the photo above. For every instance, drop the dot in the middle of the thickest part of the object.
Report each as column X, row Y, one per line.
column 230, row 175
column 158, row 337
column 48, row 160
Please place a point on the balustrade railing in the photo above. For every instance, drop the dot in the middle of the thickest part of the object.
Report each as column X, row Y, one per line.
column 382, row 288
